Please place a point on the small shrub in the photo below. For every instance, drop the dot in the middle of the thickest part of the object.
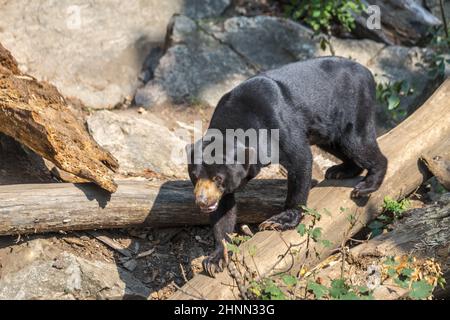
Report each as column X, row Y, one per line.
column 389, row 94
column 321, row 14
column 392, row 211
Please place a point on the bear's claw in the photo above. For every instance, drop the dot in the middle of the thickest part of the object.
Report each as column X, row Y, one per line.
column 217, row 261
column 286, row 220
column 269, row 225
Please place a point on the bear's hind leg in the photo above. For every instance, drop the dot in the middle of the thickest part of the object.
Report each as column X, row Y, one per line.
column 345, row 170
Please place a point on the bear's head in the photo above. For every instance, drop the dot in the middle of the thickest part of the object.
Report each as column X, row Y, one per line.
column 215, row 176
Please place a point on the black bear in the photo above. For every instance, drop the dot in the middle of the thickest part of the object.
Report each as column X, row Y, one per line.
column 328, row 102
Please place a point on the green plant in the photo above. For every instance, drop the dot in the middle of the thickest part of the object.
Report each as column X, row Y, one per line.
column 419, row 278
column 236, row 241
column 392, row 211
column 311, row 231
column 395, row 207
column 389, row 94
column 321, row 14
column 440, row 44
column 339, row 289
column 437, row 61
column 266, row 289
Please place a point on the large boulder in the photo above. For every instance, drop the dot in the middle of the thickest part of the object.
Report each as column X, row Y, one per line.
column 404, row 22
column 141, row 143
column 205, row 59
column 92, row 50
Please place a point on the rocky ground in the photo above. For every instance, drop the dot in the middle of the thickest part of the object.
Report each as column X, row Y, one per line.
column 138, row 77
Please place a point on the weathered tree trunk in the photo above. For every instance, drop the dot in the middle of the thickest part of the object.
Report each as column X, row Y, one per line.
column 424, row 131
column 439, row 165
column 423, row 233
column 36, row 115
column 36, row 208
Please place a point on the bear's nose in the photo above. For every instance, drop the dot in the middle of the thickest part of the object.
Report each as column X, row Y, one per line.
column 202, row 200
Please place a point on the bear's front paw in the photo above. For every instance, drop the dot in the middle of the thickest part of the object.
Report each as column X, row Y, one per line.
column 216, row 262
column 362, row 190
column 286, row 220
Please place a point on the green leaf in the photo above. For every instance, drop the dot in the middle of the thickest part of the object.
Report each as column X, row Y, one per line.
column 301, row 229
column 392, row 273
column 233, row 248
column 317, row 289
column 289, row 280
column 393, row 102
column 420, row 290
column 326, row 243
column 376, row 232
column 316, row 234
column 390, row 261
column 255, row 288
column 376, row 225
column 407, row 272
column 351, row 218
column 273, row 292
column 338, row 288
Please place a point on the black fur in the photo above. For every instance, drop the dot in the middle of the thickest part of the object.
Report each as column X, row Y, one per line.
column 328, row 102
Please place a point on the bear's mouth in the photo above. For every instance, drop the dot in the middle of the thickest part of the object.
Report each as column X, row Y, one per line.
column 207, row 195
column 210, row 208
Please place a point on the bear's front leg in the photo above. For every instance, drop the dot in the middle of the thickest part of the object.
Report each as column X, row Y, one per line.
column 223, row 221
column 299, row 184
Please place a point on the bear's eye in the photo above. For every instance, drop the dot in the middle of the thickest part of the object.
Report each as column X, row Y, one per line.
column 218, row 179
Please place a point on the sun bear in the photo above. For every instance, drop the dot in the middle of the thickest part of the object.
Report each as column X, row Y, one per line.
column 328, row 102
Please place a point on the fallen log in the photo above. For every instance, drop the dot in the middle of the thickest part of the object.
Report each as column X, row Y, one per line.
column 422, row 234
column 439, row 165
column 37, row 208
column 36, row 115
column 424, row 131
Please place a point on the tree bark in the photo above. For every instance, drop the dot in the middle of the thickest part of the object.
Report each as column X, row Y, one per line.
column 424, row 131
column 36, row 115
column 36, row 208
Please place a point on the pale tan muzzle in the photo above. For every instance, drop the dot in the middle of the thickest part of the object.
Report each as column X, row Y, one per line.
column 207, row 195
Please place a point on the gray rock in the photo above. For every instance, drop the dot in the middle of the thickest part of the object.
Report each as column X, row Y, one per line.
column 436, row 10
column 205, row 8
column 130, row 265
column 206, row 59
column 193, row 67
column 62, row 275
column 92, row 50
column 404, row 22
column 139, row 142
